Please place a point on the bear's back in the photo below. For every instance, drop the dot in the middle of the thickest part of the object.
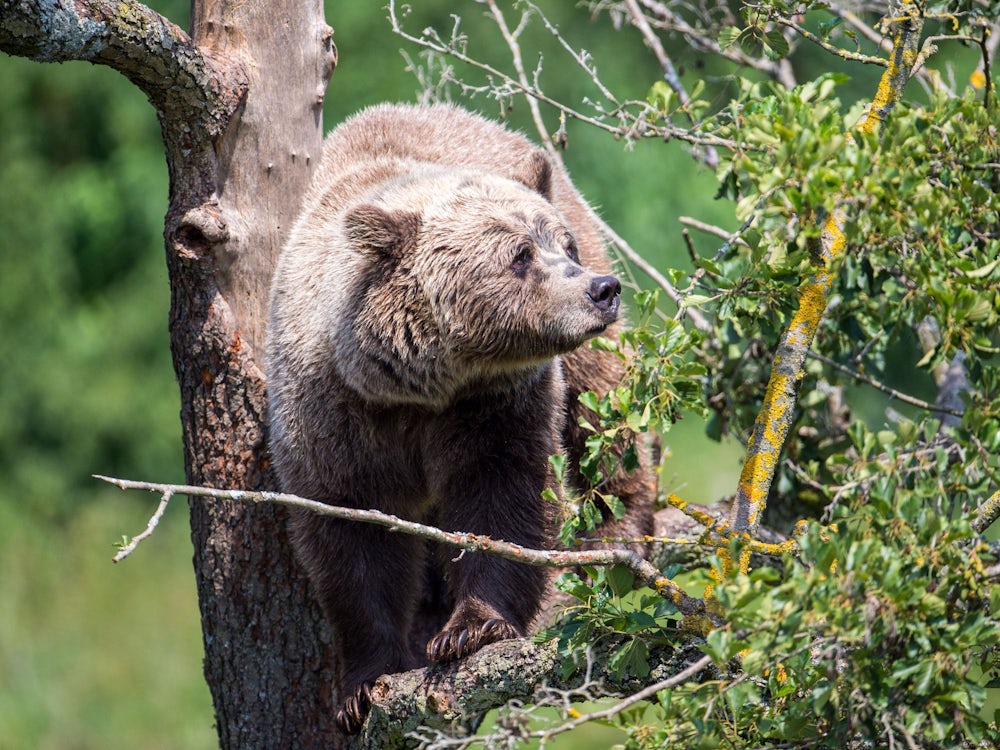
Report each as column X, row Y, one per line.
column 439, row 134
column 374, row 143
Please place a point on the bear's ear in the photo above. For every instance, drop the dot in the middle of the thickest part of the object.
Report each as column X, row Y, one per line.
column 386, row 232
column 536, row 173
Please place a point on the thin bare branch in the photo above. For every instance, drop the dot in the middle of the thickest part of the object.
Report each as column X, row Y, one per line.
column 898, row 395
column 628, row 119
column 701, row 226
column 642, row 569
column 664, row 18
column 638, row 18
column 126, row 549
column 611, row 711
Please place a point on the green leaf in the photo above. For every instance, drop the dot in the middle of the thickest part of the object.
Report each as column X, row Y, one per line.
column 604, row 344
column 983, row 271
column 558, row 463
column 616, row 506
column 590, row 400
column 572, row 584
column 719, row 644
column 775, row 45
column 728, row 36
column 620, row 579
column 660, row 97
column 632, row 658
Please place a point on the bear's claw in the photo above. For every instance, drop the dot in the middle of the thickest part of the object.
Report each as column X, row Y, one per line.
column 354, row 709
column 457, row 642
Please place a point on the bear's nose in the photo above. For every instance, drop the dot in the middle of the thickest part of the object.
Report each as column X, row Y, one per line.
column 604, row 291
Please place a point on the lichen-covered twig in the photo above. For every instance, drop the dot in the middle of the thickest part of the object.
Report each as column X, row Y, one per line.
column 831, row 48
column 989, row 511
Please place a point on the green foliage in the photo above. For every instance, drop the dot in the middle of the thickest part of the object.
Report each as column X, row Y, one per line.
column 921, row 216
column 883, row 631
column 883, row 627
column 607, row 605
column 661, row 381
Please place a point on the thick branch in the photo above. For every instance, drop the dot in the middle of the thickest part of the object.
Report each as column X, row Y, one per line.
column 182, row 82
column 435, row 701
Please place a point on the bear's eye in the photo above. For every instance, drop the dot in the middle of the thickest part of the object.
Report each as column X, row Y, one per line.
column 522, row 258
column 569, row 246
column 572, row 252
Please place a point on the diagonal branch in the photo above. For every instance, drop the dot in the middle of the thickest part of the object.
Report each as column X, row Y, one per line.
column 643, row 570
column 774, row 420
column 184, row 82
column 652, row 41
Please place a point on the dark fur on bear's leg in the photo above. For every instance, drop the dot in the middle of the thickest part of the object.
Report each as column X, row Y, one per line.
column 365, row 578
column 478, row 442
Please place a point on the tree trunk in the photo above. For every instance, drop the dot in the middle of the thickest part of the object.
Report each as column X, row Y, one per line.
column 265, row 640
column 242, row 124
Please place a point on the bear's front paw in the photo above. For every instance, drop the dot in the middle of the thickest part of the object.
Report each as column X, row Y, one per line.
column 354, row 709
column 461, row 640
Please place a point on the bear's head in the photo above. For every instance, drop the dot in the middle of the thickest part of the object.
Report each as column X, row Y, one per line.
column 467, row 276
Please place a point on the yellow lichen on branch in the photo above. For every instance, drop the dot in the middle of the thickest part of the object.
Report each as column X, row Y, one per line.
column 904, row 56
column 777, row 412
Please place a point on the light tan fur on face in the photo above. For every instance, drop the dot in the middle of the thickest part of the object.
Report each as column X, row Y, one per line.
column 441, row 311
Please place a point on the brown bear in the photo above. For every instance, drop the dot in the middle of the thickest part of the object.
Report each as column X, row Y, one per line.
column 425, row 359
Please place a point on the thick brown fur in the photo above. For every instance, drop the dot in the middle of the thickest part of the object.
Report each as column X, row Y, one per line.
column 425, row 359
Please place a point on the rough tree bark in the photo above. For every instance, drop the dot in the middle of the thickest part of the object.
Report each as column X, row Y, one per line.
column 242, row 125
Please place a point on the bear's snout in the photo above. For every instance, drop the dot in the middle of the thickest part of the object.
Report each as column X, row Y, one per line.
column 605, row 293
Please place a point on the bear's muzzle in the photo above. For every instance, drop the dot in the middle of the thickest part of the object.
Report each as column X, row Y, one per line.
column 605, row 293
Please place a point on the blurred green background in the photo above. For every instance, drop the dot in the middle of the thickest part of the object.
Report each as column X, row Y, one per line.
column 94, row 655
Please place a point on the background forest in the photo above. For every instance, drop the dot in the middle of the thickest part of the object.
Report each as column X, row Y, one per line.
column 93, row 655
